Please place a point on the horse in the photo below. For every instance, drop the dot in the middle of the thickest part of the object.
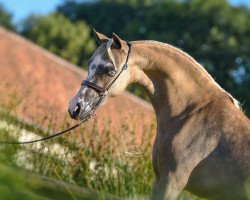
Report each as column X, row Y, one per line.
column 202, row 140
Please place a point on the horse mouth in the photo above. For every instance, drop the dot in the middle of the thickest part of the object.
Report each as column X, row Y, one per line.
column 79, row 112
column 86, row 112
column 83, row 110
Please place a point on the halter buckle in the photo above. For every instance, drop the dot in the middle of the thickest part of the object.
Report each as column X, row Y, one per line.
column 104, row 92
column 125, row 66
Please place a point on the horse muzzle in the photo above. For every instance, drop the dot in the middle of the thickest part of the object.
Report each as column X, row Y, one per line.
column 80, row 110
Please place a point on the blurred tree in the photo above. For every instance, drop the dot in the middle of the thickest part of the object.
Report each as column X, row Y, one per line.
column 61, row 36
column 213, row 32
column 105, row 16
column 5, row 18
column 132, row 3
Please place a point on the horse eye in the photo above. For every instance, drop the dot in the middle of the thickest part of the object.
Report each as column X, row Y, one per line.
column 111, row 73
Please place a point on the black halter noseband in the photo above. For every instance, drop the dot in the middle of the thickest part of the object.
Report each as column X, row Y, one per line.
column 103, row 91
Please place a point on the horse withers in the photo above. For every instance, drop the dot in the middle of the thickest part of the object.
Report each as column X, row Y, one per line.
column 202, row 140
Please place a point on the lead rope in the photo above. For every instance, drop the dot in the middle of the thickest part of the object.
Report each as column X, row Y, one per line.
column 45, row 138
column 102, row 94
column 48, row 137
column 89, row 115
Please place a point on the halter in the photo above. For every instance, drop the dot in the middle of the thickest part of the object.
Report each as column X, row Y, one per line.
column 103, row 91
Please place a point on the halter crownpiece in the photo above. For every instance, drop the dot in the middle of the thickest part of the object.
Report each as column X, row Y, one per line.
column 104, row 91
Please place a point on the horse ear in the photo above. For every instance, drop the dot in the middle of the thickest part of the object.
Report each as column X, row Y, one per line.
column 117, row 41
column 100, row 37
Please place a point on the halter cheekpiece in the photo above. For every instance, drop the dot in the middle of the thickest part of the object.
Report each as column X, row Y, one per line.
column 103, row 91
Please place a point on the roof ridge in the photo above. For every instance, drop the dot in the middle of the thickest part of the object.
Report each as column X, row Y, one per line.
column 62, row 62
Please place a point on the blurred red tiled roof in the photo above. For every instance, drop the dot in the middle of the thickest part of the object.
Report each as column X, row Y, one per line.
column 40, row 85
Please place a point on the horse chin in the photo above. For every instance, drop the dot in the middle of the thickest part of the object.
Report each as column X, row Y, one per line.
column 90, row 109
column 84, row 113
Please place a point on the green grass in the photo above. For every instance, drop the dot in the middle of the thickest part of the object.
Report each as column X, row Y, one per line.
column 98, row 165
column 23, row 185
column 94, row 166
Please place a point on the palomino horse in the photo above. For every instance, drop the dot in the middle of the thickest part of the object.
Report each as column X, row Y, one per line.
column 202, row 140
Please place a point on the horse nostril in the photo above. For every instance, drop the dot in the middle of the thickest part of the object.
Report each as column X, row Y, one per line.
column 76, row 110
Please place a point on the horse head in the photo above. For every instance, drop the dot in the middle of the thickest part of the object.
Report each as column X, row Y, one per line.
column 106, row 76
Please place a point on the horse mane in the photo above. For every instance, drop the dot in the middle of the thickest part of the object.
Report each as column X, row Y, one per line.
column 234, row 101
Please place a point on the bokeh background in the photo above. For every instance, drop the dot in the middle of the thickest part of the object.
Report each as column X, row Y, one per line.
column 36, row 83
column 216, row 33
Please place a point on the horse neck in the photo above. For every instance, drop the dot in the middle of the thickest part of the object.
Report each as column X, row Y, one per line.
column 175, row 82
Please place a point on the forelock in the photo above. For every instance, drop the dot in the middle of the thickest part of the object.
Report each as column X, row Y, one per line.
column 109, row 43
